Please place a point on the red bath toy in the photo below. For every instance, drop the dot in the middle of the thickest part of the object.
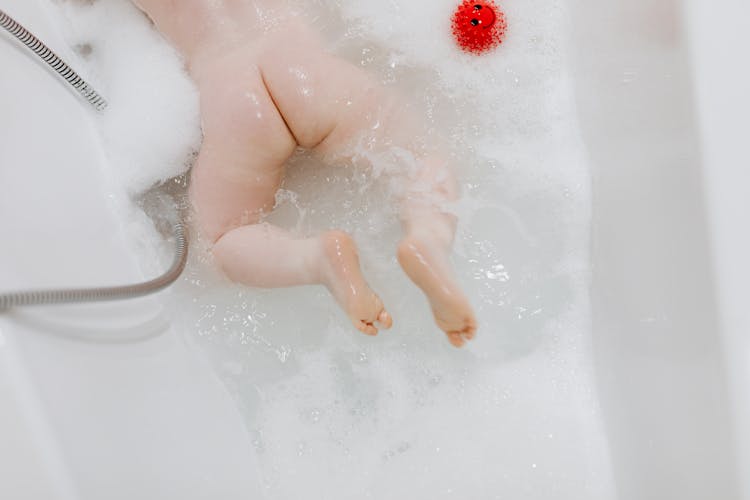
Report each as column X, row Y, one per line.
column 478, row 26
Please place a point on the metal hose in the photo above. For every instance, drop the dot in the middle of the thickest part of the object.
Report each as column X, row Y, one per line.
column 77, row 295
column 57, row 64
column 69, row 296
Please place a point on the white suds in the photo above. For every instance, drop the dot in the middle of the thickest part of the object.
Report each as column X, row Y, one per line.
column 152, row 126
column 336, row 414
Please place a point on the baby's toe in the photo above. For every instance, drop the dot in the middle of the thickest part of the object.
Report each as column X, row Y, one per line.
column 385, row 319
column 366, row 327
column 456, row 339
column 470, row 330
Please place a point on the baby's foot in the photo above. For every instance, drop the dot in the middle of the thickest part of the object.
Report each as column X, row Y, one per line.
column 426, row 263
column 345, row 281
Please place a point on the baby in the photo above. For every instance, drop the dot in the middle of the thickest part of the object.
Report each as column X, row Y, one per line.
column 268, row 86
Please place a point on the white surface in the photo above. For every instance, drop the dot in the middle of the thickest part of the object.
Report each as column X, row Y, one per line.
column 91, row 409
column 719, row 41
column 31, row 462
column 661, row 367
column 142, row 418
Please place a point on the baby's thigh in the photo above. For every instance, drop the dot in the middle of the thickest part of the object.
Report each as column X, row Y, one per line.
column 241, row 162
column 321, row 97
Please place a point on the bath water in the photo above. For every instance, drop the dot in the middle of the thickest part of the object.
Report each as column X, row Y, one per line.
column 335, row 414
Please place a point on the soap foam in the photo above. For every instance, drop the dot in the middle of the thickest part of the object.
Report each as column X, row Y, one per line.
column 335, row 414
column 151, row 128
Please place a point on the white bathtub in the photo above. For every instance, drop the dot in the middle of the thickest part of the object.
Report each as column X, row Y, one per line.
column 662, row 100
column 81, row 416
column 661, row 107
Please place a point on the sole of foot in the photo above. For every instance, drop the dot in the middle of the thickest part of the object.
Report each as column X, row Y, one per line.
column 426, row 263
column 344, row 279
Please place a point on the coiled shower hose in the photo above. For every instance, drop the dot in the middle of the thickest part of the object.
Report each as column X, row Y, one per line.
column 62, row 69
column 62, row 296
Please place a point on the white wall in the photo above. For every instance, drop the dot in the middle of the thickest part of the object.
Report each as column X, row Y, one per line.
column 720, row 46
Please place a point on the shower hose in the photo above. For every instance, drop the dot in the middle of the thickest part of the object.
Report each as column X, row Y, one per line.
column 78, row 295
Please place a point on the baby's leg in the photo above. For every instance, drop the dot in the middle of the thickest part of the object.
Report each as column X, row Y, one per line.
column 424, row 253
column 238, row 172
column 265, row 256
column 327, row 103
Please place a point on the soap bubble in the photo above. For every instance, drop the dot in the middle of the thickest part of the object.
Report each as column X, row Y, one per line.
column 333, row 413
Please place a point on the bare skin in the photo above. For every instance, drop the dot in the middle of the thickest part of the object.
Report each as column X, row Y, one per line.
column 267, row 86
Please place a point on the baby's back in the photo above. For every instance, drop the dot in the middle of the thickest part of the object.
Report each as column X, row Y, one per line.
column 194, row 24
